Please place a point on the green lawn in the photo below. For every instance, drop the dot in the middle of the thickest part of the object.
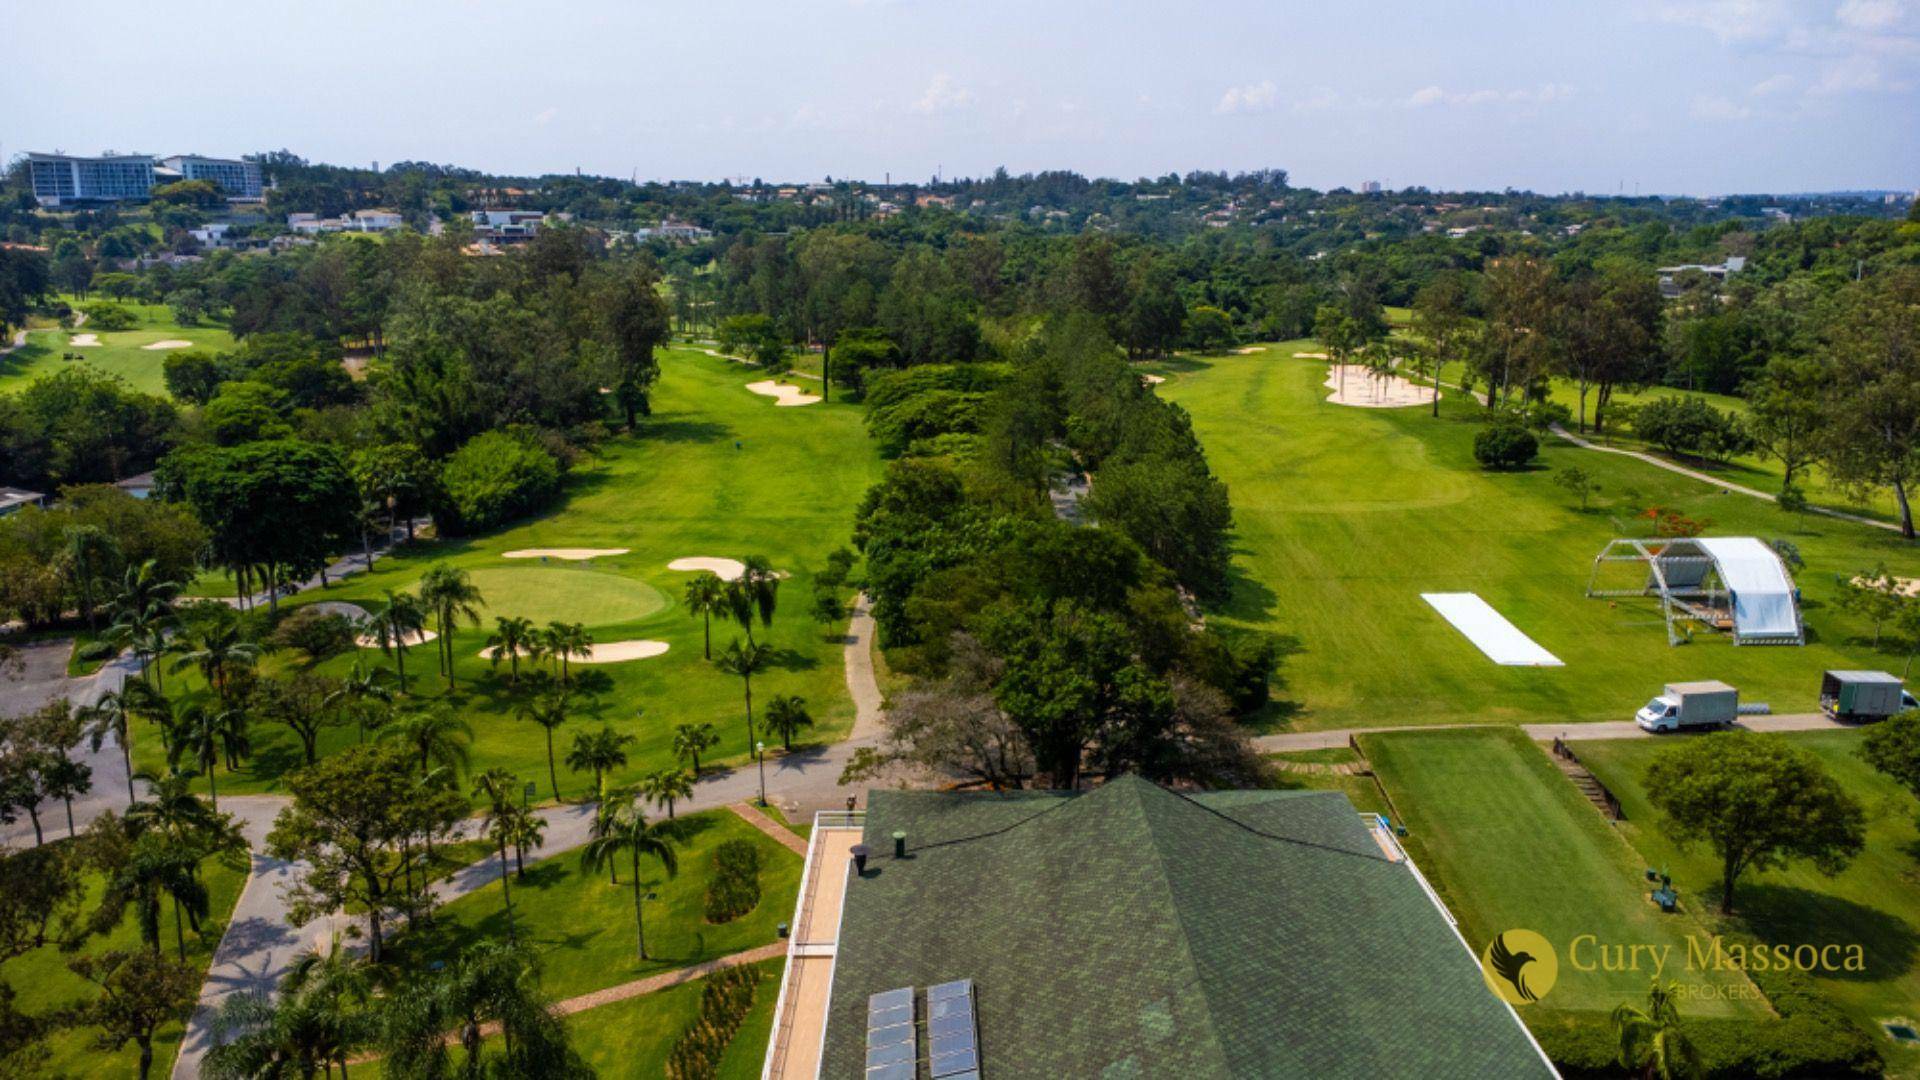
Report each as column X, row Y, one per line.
column 630, row 1040
column 1510, row 843
column 120, row 353
column 583, row 927
column 717, row 471
column 42, row 982
column 1344, row 516
column 1875, row 901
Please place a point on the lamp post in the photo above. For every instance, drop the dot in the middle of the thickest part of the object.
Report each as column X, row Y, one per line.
column 760, row 756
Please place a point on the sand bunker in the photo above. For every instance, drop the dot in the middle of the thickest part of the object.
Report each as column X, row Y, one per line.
column 1366, row 390
column 418, row 637
column 81, row 341
column 1153, row 380
column 612, row 652
column 170, row 343
column 726, row 569
column 1247, row 350
column 572, row 554
column 783, row 393
column 1310, row 356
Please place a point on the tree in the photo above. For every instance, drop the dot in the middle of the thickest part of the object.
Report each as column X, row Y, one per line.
column 47, row 736
column 218, row 648
column 663, row 787
column 549, row 711
column 1605, row 329
column 350, row 813
column 565, row 641
column 1440, row 318
column 495, row 478
column 1504, row 446
column 1758, row 803
column 1893, row 747
column 1651, row 1040
column 396, row 622
column 599, row 752
column 303, row 704
column 43, row 892
column 786, row 715
column 1209, row 329
column 759, row 585
column 198, row 736
column 692, row 740
column 493, row 983
column 318, row 1020
column 448, row 594
column 90, row 557
column 706, row 596
column 631, row 835
column 139, row 992
column 512, row 636
column 110, row 718
column 363, row 695
column 433, row 735
column 1878, row 598
column 156, row 865
column 1873, row 392
column 496, row 786
column 744, row 661
column 637, row 322
column 1786, row 415
column 829, row 610
column 1578, row 482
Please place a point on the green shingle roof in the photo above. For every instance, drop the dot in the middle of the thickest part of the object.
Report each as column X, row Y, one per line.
column 1130, row 931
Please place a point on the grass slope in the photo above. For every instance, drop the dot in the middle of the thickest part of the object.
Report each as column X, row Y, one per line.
column 1875, row 901
column 1344, row 516
column 582, row 925
column 43, row 983
column 716, row 471
column 119, row 353
column 1511, row 844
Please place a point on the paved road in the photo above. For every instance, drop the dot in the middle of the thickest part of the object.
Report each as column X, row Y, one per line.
column 43, row 680
column 260, row 945
column 1572, row 732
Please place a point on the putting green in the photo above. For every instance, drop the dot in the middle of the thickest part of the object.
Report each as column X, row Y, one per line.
column 565, row 594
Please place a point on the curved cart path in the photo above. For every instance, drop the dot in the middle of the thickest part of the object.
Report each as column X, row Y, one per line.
column 260, row 944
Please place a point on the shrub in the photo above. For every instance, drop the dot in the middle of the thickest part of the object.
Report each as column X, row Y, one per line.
column 724, row 1003
column 102, row 315
column 493, row 479
column 735, row 887
column 319, row 634
column 1688, row 425
column 1504, row 446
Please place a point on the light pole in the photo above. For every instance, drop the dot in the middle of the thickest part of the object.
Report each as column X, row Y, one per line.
column 760, row 756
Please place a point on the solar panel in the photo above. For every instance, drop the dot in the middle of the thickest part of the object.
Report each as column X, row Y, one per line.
column 956, row 1063
column 953, row 1031
column 893, row 1040
column 957, row 988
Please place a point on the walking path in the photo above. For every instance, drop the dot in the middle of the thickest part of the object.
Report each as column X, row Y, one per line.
column 1571, row 732
column 339, row 568
column 260, row 945
column 781, row 835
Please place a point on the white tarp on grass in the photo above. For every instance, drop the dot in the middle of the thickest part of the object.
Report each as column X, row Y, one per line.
column 1489, row 630
column 1763, row 601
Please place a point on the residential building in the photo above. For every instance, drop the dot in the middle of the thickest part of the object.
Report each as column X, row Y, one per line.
column 1719, row 272
column 677, row 232
column 358, row 221
column 12, row 499
column 1129, row 931
column 60, row 179
column 506, row 226
column 140, row 487
column 239, row 180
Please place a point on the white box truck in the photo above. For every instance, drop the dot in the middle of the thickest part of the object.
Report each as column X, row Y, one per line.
column 1863, row 695
column 1690, row 705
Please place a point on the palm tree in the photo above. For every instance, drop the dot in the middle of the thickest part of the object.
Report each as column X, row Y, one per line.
column 744, row 661
column 197, row 736
column 786, row 715
column 363, row 694
column 706, row 597
column 549, row 711
column 235, row 743
column 692, row 740
column 87, row 553
column 493, row 982
column 762, row 587
column 156, row 867
column 218, row 648
column 188, row 822
column 112, row 716
column 525, row 830
column 598, row 752
column 666, row 786
column 630, row 833
column 510, row 638
column 1651, row 1040
column 394, row 619
column 606, row 817
column 566, row 640
column 433, row 732
column 319, row 1020
column 496, row 786
column 448, row 593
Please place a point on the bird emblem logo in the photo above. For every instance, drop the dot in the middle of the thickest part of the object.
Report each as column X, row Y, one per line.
column 1520, row 966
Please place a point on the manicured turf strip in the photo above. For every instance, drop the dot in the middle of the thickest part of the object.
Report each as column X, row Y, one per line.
column 1344, row 517
column 1875, row 901
column 119, row 353
column 1511, row 844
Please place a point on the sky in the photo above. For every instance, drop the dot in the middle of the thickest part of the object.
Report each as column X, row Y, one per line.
column 1602, row 96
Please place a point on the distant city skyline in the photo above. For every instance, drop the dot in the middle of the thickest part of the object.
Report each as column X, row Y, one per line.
column 1651, row 96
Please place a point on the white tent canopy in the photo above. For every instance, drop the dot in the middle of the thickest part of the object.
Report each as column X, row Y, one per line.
column 1736, row 583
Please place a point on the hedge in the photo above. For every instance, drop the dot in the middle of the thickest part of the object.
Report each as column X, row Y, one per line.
column 724, row 1003
column 734, row 889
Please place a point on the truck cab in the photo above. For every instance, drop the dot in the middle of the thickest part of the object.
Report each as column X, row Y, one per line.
column 1659, row 714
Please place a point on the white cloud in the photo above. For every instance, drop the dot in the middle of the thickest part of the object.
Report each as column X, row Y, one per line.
column 545, row 116
column 1854, row 76
column 943, row 94
column 1728, row 20
column 1252, row 97
column 1869, row 14
column 1319, row 99
column 1718, row 109
column 1775, row 85
column 1429, row 96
